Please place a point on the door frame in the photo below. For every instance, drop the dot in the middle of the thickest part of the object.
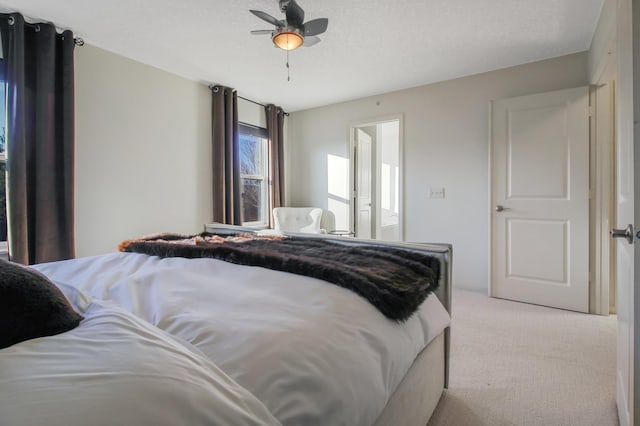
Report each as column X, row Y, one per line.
column 635, row 81
column 601, row 194
column 603, row 213
column 352, row 169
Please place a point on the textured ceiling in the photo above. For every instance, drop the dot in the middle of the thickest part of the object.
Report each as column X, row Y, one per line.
column 370, row 47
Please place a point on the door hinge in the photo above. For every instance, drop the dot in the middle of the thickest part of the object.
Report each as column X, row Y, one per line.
column 591, row 110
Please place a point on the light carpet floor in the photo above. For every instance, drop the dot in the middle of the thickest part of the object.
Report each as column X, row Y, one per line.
column 519, row 364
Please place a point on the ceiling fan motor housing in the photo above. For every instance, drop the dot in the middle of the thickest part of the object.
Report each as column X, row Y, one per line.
column 293, row 12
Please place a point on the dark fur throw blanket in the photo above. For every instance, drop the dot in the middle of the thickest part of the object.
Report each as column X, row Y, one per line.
column 394, row 280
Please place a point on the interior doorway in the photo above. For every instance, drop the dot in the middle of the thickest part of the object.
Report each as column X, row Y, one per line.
column 376, row 157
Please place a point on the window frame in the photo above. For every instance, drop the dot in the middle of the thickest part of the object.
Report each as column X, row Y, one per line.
column 263, row 134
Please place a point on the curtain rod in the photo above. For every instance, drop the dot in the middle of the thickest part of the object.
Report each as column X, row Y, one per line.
column 78, row 41
column 212, row 86
column 258, row 103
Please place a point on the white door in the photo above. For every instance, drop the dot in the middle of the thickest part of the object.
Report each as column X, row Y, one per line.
column 624, row 217
column 363, row 184
column 540, row 199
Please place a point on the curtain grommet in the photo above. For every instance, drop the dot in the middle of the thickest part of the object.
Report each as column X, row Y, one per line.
column 12, row 20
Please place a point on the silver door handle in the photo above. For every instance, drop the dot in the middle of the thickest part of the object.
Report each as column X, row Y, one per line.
column 626, row 233
column 500, row 208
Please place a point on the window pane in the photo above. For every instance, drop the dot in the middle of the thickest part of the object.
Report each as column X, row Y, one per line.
column 2, row 117
column 253, row 169
column 251, row 200
column 250, row 155
column 3, row 166
column 3, row 203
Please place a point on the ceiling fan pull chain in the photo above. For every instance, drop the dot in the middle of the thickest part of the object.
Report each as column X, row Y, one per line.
column 288, row 68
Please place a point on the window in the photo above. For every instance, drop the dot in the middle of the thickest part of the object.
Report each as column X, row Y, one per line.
column 253, row 175
column 3, row 168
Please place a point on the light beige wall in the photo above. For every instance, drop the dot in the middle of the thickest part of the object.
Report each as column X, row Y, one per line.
column 143, row 151
column 603, row 42
column 445, row 144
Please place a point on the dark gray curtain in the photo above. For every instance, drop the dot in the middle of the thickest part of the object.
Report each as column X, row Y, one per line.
column 40, row 139
column 226, row 157
column 275, row 128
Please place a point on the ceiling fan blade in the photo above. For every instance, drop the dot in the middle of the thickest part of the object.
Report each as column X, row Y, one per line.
column 259, row 32
column 293, row 12
column 268, row 18
column 315, row 26
column 311, row 41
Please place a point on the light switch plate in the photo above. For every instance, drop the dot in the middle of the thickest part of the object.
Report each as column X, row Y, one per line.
column 436, row 192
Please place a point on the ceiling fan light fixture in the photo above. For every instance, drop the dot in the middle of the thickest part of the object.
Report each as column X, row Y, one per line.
column 288, row 40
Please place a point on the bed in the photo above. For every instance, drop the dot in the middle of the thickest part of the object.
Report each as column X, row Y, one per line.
column 308, row 352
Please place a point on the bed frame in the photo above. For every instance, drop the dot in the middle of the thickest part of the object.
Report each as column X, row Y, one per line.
column 417, row 395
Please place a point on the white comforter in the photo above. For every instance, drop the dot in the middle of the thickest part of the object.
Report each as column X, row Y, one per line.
column 116, row 369
column 312, row 352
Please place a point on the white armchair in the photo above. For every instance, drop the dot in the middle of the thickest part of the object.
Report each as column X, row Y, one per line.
column 298, row 219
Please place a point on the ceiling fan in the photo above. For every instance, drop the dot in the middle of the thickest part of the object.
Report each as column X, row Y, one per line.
column 292, row 32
